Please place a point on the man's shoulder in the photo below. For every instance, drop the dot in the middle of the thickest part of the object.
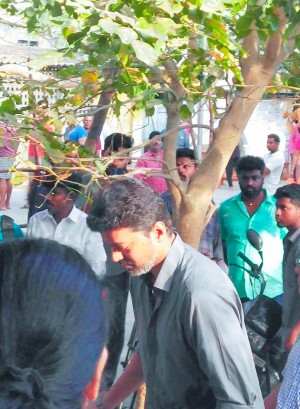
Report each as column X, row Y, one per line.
column 199, row 272
column 269, row 199
column 78, row 131
column 229, row 203
column 77, row 215
column 39, row 215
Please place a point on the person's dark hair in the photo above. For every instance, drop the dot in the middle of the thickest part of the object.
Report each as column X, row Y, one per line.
column 153, row 134
column 248, row 163
column 275, row 137
column 291, row 191
column 71, row 184
column 52, row 326
column 117, row 140
column 185, row 153
column 128, row 203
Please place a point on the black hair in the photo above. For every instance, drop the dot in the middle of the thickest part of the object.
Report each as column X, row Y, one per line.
column 128, row 203
column 117, row 140
column 275, row 137
column 153, row 134
column 71, row 184
column 185, row 153
column 52, row 327
column 248, row 163
column 291, row 191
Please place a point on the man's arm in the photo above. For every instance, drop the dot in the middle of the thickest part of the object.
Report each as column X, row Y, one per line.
column 29, row 231
column 271, row 400
column 273, row 164
column 217, row 242
column 129, row 381
column 224, row 251
column 220, row 341
column 222, row 233
column 95, row 254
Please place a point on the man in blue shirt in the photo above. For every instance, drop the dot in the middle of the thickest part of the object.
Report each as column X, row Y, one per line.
column 79, row 133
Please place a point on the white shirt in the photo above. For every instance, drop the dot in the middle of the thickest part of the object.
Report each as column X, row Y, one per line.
column 274, row 162
column 73, row 232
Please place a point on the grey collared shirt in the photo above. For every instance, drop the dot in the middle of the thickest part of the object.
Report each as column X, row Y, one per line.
column 291, row 297
column 192, row 340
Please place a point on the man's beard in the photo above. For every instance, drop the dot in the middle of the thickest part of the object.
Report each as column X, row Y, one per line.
column 251, row 194
column 138, row 271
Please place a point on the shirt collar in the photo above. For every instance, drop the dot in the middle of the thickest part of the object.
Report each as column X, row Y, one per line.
column 268, row 198
column 166, row 274
column 293, row 236
column 73, row 215
column 155, row 155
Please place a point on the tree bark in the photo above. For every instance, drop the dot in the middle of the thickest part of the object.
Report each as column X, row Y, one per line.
column 99, row 120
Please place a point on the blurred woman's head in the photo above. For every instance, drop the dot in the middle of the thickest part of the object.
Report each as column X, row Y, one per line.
column 51, row 325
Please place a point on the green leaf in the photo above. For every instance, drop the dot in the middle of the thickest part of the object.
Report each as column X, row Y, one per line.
column 7, row 106
column 31, row 24
column 56, row 9
column 75, row 37
column 149, row 111
column 274, row 21
column 207, row 82
column 185, row 112
column 70, row 10
column 297, row 40
column 18, row 178
column 244, row 23
column 144, row 52
column 101, row 167
column 47, row 58
column 93, row 19
column 126, row 34
column 109, row 26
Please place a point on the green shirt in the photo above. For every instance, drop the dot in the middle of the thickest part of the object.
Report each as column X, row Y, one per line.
column 17, row 231
column 235, row 221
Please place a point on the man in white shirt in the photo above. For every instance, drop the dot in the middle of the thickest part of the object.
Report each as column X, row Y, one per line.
column 274, row 161
column 63, row 222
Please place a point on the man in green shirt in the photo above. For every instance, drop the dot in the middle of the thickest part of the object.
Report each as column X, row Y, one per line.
column 253, row 209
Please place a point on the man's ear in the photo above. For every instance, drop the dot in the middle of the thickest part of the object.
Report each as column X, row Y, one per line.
column 159, row 230
column 72, row 196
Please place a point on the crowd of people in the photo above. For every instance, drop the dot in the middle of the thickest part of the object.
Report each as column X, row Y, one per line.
column 64, row 288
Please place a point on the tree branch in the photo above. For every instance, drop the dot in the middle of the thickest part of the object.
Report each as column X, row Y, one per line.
column 10, row 24
column 274, row 48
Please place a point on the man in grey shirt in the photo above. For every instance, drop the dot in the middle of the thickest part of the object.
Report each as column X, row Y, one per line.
column 288, row 215
column 193, row 349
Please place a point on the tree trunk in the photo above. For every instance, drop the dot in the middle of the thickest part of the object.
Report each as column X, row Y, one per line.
column 192, row 208
column 99, row 120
